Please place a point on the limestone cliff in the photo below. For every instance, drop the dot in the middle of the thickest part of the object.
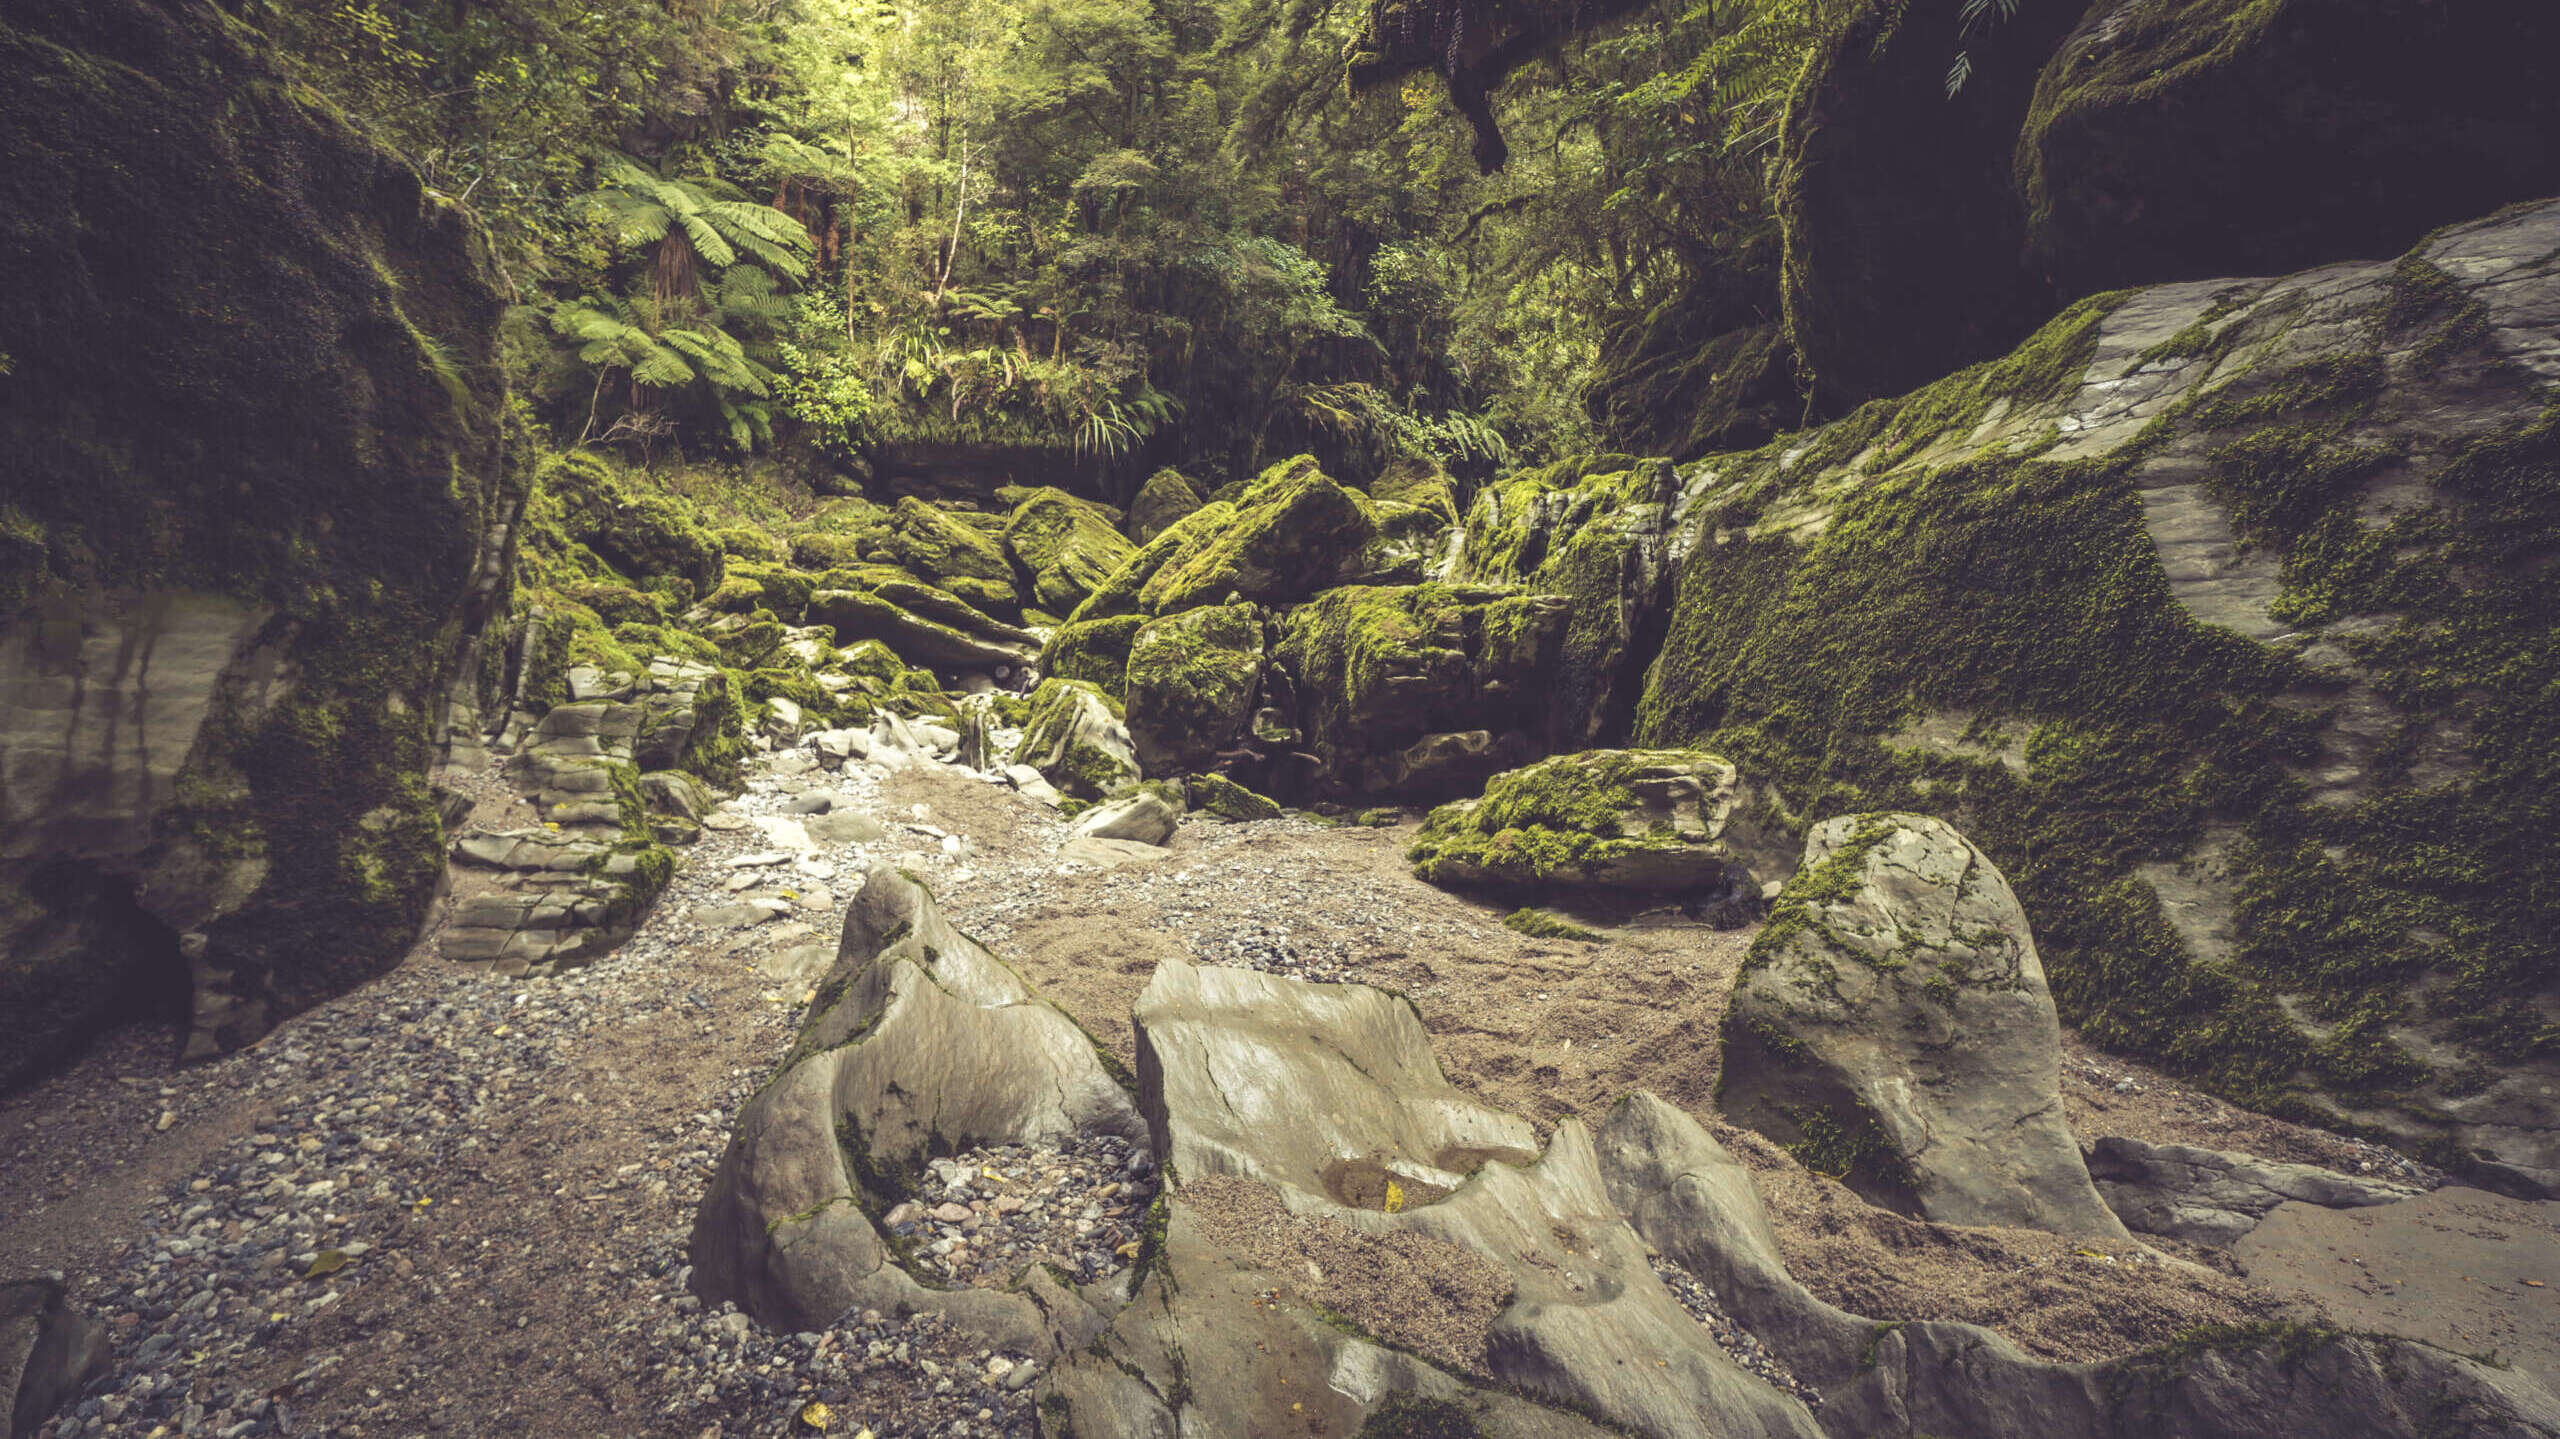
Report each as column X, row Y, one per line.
column 255, row 493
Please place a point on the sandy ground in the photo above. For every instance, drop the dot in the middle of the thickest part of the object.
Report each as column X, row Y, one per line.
column 561, row 1131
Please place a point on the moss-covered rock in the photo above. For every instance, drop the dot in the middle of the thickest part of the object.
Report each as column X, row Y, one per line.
column 2201, row 610
column 1165, row 498
column 1294, row 532
column 1418, row 483
column 924, row 625
column 1592, row 532
column 1096, row 651
column 1075, row 738
column 746, row 542
column 1216, row 794
column 1895, row 998
column 643, row 532
column 1120, row 594
column 1192, row 678
column 954, row 555
column 1378, row 668
column 2183, row 139
column 254, row 429
column 1669, row 821
column 1066, row 546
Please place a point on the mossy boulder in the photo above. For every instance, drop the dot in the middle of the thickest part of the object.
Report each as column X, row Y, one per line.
column 1708, row 368
column 1590, row 531
column 1379, row 669
column 923, row 625
column 2185, row 139
column 1192, row 678
column 643, row 532
column 1901, row 227
column 1646, row 821
column 1096, row 651
column 1121, row 593
column 1289, row 532
column 1295, row 531
column 1075, row 738
column 1218, row 795
column 1165, row 498
column 1419, row 483
column 1891, row 1023
column 746, row 542
column 2201, row 610
column 254, row 429
column 1066, row 546
column 955, row 555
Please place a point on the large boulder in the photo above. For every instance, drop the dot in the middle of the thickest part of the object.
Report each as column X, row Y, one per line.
column 1902, row 227
column 1642, row 821
column 1891, row 1023
column 921, row 1044
column 258, row 503
column 1165, row 498
column 921, row 624
column 1140, row 816
column 1191, row 682
column 1690, row 1199
column 1323, row 1165
column 953, row 554
column 1290, row 532
column 1095, row 651
column 1380, row 670
column 1066, row 546
column 1075, row 738
column 2201, row 610
column 2180, row 142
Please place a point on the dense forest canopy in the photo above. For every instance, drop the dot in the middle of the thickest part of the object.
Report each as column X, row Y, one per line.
column 1175, row 232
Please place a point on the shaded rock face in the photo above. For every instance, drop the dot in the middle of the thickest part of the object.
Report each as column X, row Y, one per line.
column 1642, row 821
column 1902, row 225
column 2174, row 141
column 250, row 538
column 1161, row 502
column 1892, row 1022
column 2206, row 1196
column 2205, row 608
column 1690, row 1199
column 1065, row 546
column 921, row 1043
column 48, row 1350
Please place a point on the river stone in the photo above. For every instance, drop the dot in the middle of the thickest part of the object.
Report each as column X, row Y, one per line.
column 48, row 1351
column 1145, row 816
column 1892, row 1022
column 2207, row 1196
column 921, row 1042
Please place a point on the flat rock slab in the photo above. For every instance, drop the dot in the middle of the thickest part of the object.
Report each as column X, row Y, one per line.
column 2449, row 1268
column 2208, row 1196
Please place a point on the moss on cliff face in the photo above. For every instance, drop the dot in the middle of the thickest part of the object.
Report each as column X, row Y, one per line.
column 1934, row 561
column 254, row 357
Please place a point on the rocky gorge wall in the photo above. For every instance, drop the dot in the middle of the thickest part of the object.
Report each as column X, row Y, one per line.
column 2219, row 613
column 255, row 499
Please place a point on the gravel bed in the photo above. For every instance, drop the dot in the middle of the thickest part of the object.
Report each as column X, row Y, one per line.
column 987, row 1214
column 1230, row 906
column 1738, row 1343
column 379, row 1256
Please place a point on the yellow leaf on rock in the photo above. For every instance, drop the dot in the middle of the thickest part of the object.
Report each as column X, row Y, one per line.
column 817, row 1415
column 329, row 1262
column 1128, row 1250
column 1395, row 1197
